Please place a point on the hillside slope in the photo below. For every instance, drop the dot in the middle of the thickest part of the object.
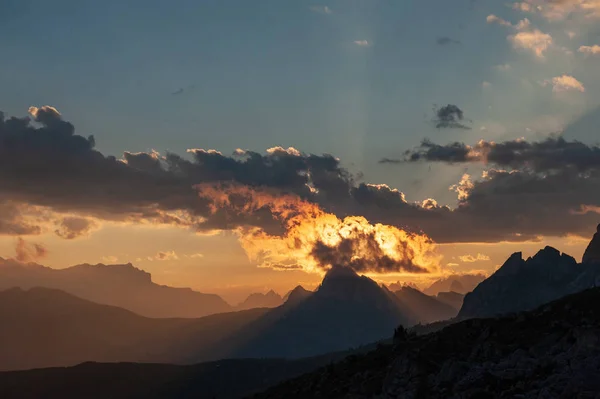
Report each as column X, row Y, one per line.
column 551, row 352
column 43, row 327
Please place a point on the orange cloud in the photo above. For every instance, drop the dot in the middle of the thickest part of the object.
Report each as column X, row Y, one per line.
column 29, row 252
column 314, row 240
column 472, row 259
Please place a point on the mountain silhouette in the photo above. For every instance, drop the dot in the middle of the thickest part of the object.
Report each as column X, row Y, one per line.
column 44, row 327
column 346, row 311
column 257, row 300
column 525, row 284
column 451, row 298
column 461, row 283
column 118, row 285
column 296, row 296
column 592, row 252
column 427, row 309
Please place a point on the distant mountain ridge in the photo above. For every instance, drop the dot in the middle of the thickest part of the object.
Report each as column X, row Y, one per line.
column 525, row 284
column 258, row 300
column 120, row 285
column 460, row 283
column 428, row 309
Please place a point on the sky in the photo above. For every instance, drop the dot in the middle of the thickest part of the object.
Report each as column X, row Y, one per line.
column 360, row 80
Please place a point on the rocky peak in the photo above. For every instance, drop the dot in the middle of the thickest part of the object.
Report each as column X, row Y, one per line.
column 297, row 295
column 512, row 265
column 592, row 252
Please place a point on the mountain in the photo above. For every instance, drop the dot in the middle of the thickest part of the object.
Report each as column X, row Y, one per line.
column 398, row 286
column 346, row 311
column 525, row 284
column 44, row 327
column 296, row 295
column 269, row 300
column 551, row 352
column 118, row 285
column 427, row 309
column 451, row 298
column 592, row 252
column 461, row 283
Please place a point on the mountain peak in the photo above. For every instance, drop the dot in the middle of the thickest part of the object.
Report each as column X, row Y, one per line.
column 592, row 252
column 297, row 295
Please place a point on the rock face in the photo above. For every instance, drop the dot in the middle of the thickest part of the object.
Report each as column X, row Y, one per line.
column 592, row 252
column 551, row 352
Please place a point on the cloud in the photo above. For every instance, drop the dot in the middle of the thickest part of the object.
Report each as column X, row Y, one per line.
column 196, row 256
column 566, row 83
column 450, row 117
column 526, row 38
column 362, row 43
column 552, row 154
column 321, row 9
column 166, row 255
column 503, row 67
column 556, row 10
column 472, row 259
column 535, row 41
column 493, row 19
column 74, row 227
column 110, row 259
column 29, row 252
column 445, row 41
column 270, row 199
column 590, row 50
column 486, row 85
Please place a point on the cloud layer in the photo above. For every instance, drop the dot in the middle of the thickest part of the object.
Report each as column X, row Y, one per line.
column 48, row 170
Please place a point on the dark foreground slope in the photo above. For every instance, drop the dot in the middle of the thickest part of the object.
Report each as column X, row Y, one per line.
column 221, row 379
column 550, row 352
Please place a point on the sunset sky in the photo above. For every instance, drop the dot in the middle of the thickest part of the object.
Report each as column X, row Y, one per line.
column 363, row 81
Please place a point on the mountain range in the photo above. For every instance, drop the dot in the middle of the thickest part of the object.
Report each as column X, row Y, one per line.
column 525, row 284
column 346, row 311
column 118, row 285
column 258, row 300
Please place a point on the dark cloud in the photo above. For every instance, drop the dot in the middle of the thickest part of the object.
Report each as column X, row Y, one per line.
column 14, row 220
column 371, row 259
column 73, row 227
column 44, row 163
column 429, row 151
column 549, row 155
column 445, row 41
column 450, row 117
